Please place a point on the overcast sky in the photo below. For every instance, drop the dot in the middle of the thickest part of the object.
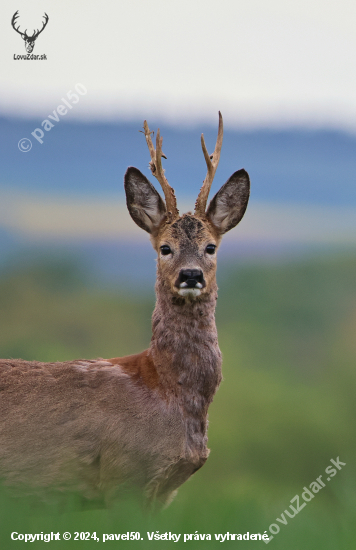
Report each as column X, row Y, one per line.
column 275, row 62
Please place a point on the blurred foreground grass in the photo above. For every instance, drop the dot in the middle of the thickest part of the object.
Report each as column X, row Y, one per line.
column 286, row 407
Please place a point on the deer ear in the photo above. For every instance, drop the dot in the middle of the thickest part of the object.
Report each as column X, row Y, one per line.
column 144, row 203
column 228, row 206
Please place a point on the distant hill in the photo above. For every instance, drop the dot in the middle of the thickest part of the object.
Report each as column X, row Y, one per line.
column 295, row 166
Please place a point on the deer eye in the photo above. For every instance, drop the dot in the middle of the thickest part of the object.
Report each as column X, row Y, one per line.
column 210, row 249
column 165, row 250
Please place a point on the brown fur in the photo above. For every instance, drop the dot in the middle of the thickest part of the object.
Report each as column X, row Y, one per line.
column 136, row 422
column 140, row 367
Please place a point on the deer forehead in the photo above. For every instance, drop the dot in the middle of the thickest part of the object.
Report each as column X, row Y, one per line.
column 187, row 231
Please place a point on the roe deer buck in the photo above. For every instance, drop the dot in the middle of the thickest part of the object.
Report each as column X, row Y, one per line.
column 137, row 421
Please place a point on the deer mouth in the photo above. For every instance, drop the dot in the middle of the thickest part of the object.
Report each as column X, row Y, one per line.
column 190, row 282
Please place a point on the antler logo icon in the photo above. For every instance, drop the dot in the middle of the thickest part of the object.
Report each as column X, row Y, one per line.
column 29, row 40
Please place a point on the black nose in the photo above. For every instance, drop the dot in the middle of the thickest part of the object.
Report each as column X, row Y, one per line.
column 190, row 278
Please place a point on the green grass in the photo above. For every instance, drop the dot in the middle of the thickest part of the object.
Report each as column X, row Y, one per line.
column 286, row 406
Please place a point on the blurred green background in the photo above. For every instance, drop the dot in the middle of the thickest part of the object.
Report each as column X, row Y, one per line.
column 285, row 408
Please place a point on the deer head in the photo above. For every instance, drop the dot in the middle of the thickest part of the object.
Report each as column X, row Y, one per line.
column 29, row 40
column 186, row 245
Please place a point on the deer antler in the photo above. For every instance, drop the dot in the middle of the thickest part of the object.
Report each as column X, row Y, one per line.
column 24, row 34
column 158, row 171
column 212, row 162
column 14, row 20
column 43, row 26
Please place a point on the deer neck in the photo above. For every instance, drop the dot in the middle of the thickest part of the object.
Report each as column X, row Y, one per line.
column 185, row 350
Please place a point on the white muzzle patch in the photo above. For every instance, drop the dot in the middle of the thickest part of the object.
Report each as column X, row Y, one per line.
column 193, row 292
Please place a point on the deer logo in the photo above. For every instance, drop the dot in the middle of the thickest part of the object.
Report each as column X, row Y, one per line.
column 29, row 40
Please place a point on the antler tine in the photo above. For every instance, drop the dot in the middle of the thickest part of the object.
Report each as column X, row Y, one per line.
column 14, row 17
column 44, row 23
column 212, row 164
column 158, row 171
column 14, row 20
